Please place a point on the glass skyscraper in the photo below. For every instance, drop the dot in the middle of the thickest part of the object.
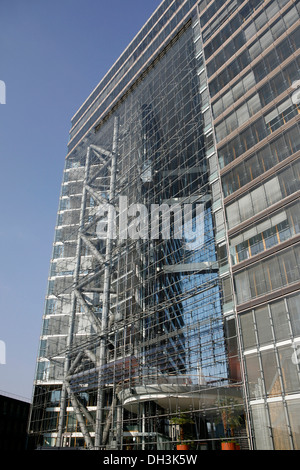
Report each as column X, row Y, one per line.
column 172, row 315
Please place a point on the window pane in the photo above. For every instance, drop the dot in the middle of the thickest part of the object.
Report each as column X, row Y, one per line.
column 256, row 244
column 290, row 374
column 294, row 417
column 258, row 280
column 274, row 273
column 242, row 287
column 261, row 426
column 258, row 197
column 242, row 114
column 273, row 190
column 294, row 312
column 280, row 321
column 270, row 237
column 254, row 104
column 248, row 333
column 233, row 216
column 289, row 263
column 245, row 207
column 270, row 372
column 293, row 139
column 228, row 99
column 255, row 50
column 254, row 381
column 249, row 81
column 263, row 326
column 279, row 427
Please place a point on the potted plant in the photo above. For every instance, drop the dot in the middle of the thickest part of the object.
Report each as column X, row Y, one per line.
column 181, row 421
column 231, row 420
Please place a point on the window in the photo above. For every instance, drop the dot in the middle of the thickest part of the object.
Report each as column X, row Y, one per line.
column 279, row 426
column 248, row 331
column 58, row 251
column 270, row 274
column 289, row 369
column 263, row 323
column 64, row 204
column 50, row 306
column 242, row 287
column 294, row 312
column 233, row 215
column 259, row 200
column 271, row 373
column 294, row 413
column 254, row 381
column 280, row 320
column 262, row 427
column 245, row 207
column 273, row 272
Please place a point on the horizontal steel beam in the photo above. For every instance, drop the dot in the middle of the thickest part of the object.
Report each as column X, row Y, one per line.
column 188, row 267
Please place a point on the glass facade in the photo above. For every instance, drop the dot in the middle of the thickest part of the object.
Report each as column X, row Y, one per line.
column 253, row 69
column 171, row 313
column 272, row 373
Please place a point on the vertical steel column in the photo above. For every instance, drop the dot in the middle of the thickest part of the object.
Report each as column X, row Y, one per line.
column 64, row 392
column 81, row 420
column 106, row 291
column 119, row 426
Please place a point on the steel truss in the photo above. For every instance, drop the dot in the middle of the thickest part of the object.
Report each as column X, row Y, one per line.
column 76, row 357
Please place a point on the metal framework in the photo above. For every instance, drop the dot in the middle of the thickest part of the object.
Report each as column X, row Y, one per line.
column 85, row 364
column 75, row 357
column 153, row 366
column 149, row 342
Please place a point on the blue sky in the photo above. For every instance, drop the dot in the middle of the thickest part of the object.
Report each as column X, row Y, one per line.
column 52, row 55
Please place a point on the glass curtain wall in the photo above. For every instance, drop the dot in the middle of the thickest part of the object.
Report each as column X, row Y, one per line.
column 170, row 348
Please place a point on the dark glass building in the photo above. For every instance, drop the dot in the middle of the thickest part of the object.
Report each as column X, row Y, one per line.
column 172, row 313
column 14, row 414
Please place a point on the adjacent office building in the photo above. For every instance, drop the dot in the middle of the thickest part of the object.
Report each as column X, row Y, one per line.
column 172, row 315
column 14, row 413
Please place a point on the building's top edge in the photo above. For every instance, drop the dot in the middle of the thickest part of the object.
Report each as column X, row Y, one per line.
column 116, row 65
column 14, row 396
column 171, row 17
